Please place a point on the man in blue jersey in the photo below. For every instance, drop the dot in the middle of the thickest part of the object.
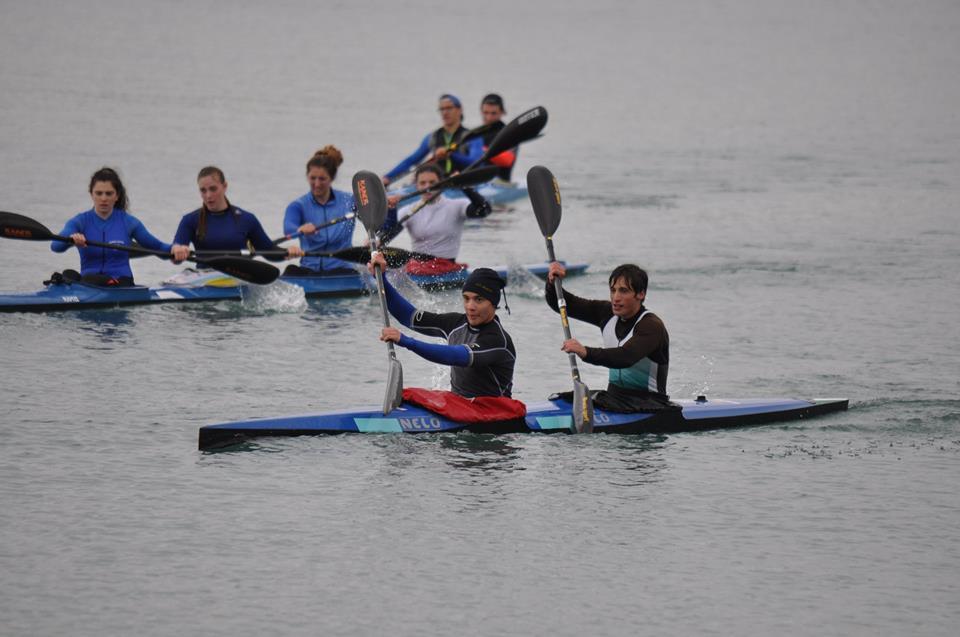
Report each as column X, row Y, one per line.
column 480, row 352
column 636, row 346
column 436, row 146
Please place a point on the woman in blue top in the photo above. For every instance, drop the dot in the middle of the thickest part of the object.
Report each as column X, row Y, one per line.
column 218, row 225
column 309, row 214
column 107, row 222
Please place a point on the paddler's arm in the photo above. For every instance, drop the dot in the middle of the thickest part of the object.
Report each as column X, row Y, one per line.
column 411, row 160
column 593, row 312
column 648, row 337
column 466, row 155
column 72, row 228
column 142, row 236
column 457, row 355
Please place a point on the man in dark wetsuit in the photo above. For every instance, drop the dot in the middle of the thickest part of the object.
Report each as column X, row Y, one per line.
column 491, row 113
column 636, row 346
column 480, row 352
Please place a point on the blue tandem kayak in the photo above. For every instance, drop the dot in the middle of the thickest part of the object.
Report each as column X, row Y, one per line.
column 76, row 295
column 544, row 417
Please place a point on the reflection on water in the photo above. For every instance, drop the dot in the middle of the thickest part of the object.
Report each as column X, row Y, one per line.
column 109, row 326
column 479, row 451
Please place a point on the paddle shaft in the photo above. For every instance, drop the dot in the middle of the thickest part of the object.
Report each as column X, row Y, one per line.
column 562, row 305
column 332, row 222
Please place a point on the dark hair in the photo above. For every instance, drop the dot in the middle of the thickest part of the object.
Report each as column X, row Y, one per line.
column 429, row 167
column 110, row 175
column 635, row 276
column 494, row 100
column 329, row 158
column 208, row 171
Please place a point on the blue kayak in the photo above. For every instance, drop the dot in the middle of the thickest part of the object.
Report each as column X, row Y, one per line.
column 551, row 416
column 216, row 287
column 496, row 192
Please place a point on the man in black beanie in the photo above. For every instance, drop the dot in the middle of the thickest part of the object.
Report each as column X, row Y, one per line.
column 478, row 349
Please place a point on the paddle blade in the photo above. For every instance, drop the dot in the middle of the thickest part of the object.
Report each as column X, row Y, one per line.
column 15, row 226
column 545, row 196
column 371, row 200
column 523, row 128
column 249, row 270
column 582, row 409
column 394, row 394
column 472, row 177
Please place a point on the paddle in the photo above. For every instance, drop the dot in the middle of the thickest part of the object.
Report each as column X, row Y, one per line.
column 16, row 226
column 545, row 196
column 332, row 222
column 372, row 209
column 522, row 128
column 473, row 177
column 395, row 257
column 470, row 134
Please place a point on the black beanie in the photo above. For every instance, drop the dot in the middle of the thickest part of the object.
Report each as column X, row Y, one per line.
column 486, row 283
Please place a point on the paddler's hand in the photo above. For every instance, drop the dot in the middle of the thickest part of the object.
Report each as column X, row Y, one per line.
column 179, row 252
column 307, row 228
column 390, row 335
column 556, row 270
column 392, row 201
column 294, row 252
column 79, row 240
column 376, row 258
column 572, row 345
column 441, row 153
column 385, row 180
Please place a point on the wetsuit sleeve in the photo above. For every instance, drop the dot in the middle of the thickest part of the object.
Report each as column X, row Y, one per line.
column 72, row 226
column 399, row 307
column 593, row 312
column 390, row 228
column 292, row 218
column 412, row 160
column 142, row 236
column 457, row 355
column 186, row 231
column 466, row 155
column 479, row 207
column 649, row 336
column 490, row 349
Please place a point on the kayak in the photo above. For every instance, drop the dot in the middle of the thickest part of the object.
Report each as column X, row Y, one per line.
column 216, row 287
column 552, row 416
column 496, row 192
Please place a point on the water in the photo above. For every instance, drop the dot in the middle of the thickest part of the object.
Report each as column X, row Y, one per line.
column 789, row 176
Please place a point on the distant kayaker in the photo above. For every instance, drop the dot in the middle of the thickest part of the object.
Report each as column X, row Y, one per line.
column 435, row 223
column 636, row 346
column 107, row 222
column 491, row 113
column 218, row 225
column 322, row 205
column 480, row 352
column 435, row 146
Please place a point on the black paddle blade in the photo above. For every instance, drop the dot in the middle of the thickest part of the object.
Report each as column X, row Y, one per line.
column 544, row 194
column 582, row 409
column 523, row 128
column 15, row 226
column 371, row 200
column 472, row 177
column 394, row 394
column 249, row 270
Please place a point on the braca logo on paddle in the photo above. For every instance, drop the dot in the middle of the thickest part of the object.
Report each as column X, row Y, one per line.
column 362, row 193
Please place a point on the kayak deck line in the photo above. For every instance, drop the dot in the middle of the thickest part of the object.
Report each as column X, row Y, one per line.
column 76, row 295
column 552, row 416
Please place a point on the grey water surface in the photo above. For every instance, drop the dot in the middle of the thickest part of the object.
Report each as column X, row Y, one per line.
column 789, row 173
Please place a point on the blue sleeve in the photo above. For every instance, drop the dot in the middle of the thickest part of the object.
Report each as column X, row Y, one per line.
column 258, row 237
column 140, row 233
column 73, row 226
column 457, row 355
column 293, row 217
column 400, row 307
column 466, row 156
column 186, row 231
column 411, row 160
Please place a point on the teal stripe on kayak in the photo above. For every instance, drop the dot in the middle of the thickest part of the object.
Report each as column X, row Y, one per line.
column 378, row 425
column 555, row 422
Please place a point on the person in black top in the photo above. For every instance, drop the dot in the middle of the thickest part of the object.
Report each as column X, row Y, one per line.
column 491, row 113
column 480, row 352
